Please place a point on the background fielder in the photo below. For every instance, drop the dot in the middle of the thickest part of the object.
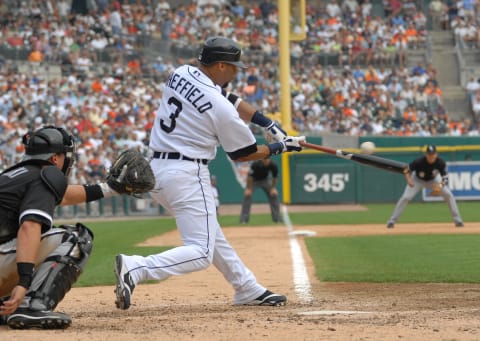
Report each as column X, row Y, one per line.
column 258, row 177
column 428, row 171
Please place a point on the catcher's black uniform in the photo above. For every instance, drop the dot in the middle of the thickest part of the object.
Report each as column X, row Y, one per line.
column 30, row 191
column 24, row 195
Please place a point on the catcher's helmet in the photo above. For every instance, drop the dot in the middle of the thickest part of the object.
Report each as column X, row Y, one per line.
column 48, row 141
column 220, row 49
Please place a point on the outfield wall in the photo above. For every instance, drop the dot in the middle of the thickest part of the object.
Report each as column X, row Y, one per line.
column 312, row 177
column 319, row 178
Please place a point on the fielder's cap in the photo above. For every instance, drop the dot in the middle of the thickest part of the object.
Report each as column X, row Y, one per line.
column 221, row 49
column 431, row 149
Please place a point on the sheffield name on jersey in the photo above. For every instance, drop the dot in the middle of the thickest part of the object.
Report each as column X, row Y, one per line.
column 190, row 92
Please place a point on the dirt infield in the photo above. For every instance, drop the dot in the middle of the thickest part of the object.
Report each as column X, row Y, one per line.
column 198, row 306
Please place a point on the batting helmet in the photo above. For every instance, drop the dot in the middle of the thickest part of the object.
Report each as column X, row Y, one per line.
column 220, row 49
column 48, row 141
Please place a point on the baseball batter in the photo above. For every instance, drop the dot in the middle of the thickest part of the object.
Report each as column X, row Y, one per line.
column 427, row 171
column 194, row 117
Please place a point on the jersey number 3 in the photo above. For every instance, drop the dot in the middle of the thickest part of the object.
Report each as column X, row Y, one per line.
column 173, row 116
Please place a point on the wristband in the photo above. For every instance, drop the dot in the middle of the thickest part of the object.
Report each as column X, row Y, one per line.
column 98, row 191
column 260, row 119
column 93, row 192
column 25, row 274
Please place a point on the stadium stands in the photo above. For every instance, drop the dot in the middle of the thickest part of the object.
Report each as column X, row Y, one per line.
column 363, row 70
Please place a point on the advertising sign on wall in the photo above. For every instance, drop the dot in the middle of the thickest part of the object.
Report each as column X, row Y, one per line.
column 463, row 181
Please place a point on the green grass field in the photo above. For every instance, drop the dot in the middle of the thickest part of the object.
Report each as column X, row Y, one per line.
column 389, row 258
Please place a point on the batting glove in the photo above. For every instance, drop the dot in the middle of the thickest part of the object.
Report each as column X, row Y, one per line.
column 289, row 144
column 276, row 132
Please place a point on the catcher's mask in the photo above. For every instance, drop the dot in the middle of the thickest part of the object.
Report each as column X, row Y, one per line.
column 48, row 141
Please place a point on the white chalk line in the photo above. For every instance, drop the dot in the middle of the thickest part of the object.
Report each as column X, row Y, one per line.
column 333, row 312
column 301, row 281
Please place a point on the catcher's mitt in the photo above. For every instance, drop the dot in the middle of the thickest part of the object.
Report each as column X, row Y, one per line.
column 436, row 189
column 131, row 174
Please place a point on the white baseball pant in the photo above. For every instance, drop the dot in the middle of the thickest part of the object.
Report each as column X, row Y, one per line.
column 184, row 189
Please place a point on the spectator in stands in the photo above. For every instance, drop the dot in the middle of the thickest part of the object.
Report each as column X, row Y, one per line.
column 471, row 87
column 83, row 63
column 400, row 40
column 394, row 7
column 15, row 40
column 437, row 10
column 115, row 19
column 333, row 9
column 367, row 43
column 476, row 104
column 35, row 57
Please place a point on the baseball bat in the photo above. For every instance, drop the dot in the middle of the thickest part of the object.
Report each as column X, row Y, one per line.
column 369, row 160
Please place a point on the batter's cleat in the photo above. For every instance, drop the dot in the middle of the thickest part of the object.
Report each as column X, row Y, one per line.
column 390, row 225
column 269, row 298
column 25, row 318
column 459, row 224
column 124, row 286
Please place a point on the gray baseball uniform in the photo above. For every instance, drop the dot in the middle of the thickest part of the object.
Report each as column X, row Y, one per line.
column 425, row 175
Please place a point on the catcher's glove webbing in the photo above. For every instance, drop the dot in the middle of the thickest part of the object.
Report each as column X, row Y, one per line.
column 131, row 174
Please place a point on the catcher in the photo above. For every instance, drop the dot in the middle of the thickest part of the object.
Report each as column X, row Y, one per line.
column 428, row 171
column 39, row 262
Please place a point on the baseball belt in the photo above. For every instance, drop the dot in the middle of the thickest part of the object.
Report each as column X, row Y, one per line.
column 177, row 156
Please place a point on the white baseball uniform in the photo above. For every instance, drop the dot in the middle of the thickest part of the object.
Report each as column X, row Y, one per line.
column 192, row 120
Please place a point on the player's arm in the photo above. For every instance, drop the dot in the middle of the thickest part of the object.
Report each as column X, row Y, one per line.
column 243, row 155
column 130, row 174
column 28, row 244
column 254, row 152
column 408, row 177
column 443, row 172
column 249, row 113
column 274, row 170
column 77, row 194
column 249, row 182
column 274, row 182
column 28, row 241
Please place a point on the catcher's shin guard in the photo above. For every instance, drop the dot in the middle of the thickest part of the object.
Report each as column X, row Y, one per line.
column 55, row 276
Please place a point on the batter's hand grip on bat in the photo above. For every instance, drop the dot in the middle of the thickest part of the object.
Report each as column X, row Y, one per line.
column 369, row 160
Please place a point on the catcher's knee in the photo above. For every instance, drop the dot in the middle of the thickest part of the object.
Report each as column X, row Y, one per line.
column 56, row 275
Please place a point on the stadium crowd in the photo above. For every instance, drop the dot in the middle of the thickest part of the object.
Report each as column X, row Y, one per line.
column 109, row 90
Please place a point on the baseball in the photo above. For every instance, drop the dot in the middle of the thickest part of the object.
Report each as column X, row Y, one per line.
column 367, row 147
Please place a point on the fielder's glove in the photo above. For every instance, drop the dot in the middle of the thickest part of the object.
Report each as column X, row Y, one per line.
column 289, row 144
column 131, row 174
column 436, row 189
column 276, row 132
